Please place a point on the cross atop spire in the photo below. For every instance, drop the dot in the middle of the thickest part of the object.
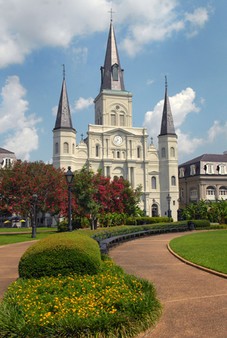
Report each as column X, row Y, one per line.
column 63, row 66
column 111, row 14
column 166, row 83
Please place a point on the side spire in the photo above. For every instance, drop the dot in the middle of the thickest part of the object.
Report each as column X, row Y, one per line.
column 112, row 73
column 167, row 125
column 63, row 119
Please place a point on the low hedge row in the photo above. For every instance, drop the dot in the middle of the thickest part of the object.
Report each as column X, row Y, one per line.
column 146, row 220
column 61, row 254
column 199, row 223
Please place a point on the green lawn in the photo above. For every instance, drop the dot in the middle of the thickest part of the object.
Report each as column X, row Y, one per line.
column 17, row 236
column 208, row 249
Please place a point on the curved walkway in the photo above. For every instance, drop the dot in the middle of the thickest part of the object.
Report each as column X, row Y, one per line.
column 194, row 301
column 9, row 258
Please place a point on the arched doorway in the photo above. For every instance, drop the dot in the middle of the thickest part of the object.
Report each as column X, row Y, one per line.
column 154, row 210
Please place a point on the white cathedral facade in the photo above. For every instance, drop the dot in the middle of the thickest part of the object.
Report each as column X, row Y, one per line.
column 115, row 146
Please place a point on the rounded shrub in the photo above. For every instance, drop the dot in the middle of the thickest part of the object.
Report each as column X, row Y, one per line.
column 61, row 254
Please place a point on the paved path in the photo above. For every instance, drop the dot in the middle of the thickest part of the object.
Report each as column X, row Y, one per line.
column 194, row 301
column 9, row 259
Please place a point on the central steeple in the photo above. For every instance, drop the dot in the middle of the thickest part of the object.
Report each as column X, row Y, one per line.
column 112, row 73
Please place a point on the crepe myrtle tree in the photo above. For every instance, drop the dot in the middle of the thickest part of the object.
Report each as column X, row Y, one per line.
column 95, row 194
column 25, row 179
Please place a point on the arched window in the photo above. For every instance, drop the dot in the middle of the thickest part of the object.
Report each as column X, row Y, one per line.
column 173, row 180
column 172, row 152
column 223, row 191
column 65, row 148
column 118, row 154
column 73, row 148
column 163, row 152
column 122, row 120
column 113, row 119
column 153, row 182
column 56, row 148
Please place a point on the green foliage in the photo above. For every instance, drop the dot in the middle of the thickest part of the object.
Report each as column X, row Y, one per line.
column 214, row 211
column 112, row 219
column 109, row 304
column 63, row 254
column 200, row 223
column 145, row 220
column 207, row 249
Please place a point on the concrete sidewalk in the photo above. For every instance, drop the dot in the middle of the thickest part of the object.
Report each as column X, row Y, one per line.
column 9, row 258
column 194, row 301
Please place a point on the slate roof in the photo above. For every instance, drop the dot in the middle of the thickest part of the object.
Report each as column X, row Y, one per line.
column 206, row 158
column 167, row 125
column 112, row 59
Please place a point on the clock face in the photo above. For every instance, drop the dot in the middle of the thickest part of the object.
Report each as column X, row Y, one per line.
column 117, row 140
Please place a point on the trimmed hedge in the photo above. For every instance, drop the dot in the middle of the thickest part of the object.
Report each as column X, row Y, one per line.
column 146, row 220
column 61, row 254
column 200, row 223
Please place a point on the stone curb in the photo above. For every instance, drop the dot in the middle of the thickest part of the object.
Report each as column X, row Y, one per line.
column 219, row 274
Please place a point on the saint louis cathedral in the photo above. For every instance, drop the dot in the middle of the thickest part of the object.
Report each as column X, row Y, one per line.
column 115, row 146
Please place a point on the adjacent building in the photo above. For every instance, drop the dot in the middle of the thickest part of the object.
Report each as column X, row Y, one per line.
column 7, row 158
column 115, row 146
column 203, row 178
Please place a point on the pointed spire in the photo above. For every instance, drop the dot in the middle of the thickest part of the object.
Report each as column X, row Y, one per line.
column 167, row 125
column 63, row 119
column 112, row 73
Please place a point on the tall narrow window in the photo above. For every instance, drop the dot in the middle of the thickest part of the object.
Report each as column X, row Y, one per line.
column 118, row 154
column 56, row 148
column 172, row 152
column 138, row 152
column 122, row 120
column 173, row 180
column 66, row 148
column 163, row 152
column 113, row 119
column 97, row 150
column 153, row 182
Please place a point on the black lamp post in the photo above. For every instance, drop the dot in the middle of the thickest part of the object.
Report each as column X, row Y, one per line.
column 169, row 212
column 69, row 178
column 34, row 207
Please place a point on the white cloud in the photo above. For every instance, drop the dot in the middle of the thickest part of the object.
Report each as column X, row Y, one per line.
column 36, row 24
column 197, row 19
column 182, row 104
column 83, row 103
column 20, row 128
column 216, row 130
column 154, row 20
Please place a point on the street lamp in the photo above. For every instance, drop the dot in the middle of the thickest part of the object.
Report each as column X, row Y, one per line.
column 34, row 206
column 169, row 212
column 69, row 178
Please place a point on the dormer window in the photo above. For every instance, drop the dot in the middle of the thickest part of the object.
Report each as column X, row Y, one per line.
column 115, row 72
column 181, row 173
column 192, row 169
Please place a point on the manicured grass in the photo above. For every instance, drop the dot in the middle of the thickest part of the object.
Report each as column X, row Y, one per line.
column 19, row 237
column 208, row 249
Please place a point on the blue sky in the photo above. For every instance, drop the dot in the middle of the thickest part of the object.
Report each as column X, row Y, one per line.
column 182, row 39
